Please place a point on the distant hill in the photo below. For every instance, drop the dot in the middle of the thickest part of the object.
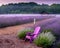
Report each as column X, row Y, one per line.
column 28, row 8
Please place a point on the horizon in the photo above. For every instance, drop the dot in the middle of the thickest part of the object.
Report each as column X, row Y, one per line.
column 49, row 2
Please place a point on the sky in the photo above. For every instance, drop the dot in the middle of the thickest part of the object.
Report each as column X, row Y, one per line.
column 37, row 1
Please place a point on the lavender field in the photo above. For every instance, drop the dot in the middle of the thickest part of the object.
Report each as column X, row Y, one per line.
column 53, row 24
column 11, row 21
column 46, row 22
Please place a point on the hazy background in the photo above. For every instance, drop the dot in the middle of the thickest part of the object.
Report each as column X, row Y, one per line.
column 37, row 1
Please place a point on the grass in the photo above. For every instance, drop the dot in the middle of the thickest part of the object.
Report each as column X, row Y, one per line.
column 58, row 44
column 45, row 39
column 23, row 33
column 48, row 30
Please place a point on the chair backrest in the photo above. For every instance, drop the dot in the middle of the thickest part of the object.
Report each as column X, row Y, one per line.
column 36, row 31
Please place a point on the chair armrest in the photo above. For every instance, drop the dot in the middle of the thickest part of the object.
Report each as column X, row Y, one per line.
column 33, row 34
column 28, row 33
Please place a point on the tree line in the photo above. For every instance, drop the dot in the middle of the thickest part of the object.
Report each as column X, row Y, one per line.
column 31, row 7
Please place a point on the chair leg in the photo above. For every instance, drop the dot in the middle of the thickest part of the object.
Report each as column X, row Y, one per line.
column 31, row 40
column 25, row 39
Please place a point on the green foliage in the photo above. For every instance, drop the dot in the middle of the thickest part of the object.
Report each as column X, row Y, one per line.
column 23, row 33
column 47, row 30
column 45, row 39
column 58, row 45
column 30, row 7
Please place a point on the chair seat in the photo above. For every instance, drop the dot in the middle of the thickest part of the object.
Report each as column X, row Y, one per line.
column 28, row 37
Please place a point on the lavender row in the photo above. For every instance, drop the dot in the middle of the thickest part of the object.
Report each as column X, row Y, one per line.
column 11, row 21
